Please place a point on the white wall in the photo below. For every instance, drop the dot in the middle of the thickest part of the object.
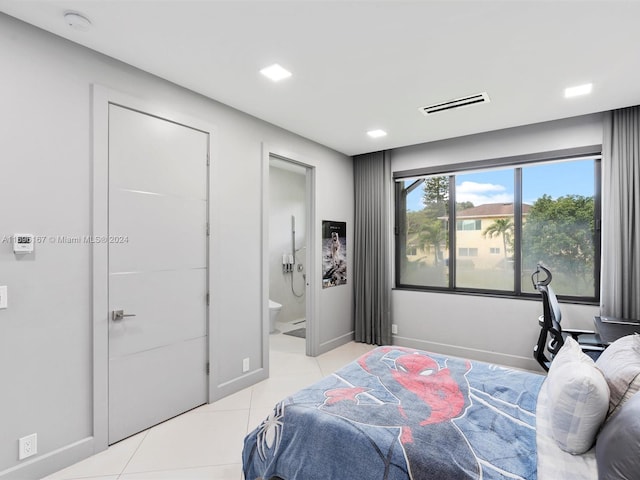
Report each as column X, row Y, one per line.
column 487, row 328
column 287, row 195
column 45, row 177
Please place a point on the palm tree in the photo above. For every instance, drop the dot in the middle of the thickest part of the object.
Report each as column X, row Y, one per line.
column 432, row 234
column 501, row 226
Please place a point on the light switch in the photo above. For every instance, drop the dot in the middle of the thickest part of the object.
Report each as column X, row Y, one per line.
column 3, row 296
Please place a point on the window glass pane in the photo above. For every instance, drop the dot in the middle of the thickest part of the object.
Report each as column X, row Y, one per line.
column 484, row 220
column 558, row 225
column 558, row 218
column 469, row 225
column 423, row 238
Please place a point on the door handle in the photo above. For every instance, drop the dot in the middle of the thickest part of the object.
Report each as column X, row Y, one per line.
column 117, row 315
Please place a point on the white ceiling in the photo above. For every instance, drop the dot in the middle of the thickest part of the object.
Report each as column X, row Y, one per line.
column 362, row 65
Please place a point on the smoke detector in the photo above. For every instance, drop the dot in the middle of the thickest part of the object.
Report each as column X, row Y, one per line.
column 467, row 101
column 77, row 21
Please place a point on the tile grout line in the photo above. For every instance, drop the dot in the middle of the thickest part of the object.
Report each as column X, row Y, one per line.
column 146, row 432
column 175, row 469
column 247, row 429
column 250, row 410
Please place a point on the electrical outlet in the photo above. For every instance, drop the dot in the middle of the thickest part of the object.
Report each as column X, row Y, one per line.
column 245, row 365
column 3, row 296
column 394, row 329
column 27, row 446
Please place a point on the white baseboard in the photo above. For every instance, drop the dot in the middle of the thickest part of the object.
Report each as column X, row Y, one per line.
column 237, row 384
column 336, row 342
column 46, row 464
column 514, row 361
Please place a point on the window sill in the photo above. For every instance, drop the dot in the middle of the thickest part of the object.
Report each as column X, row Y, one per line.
column 496, row 294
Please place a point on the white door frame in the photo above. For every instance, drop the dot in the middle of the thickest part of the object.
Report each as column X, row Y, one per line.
column 311, row 257
column 102, row 97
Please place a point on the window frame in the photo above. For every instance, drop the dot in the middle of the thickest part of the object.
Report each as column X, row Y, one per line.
column 461, row 223
column 517, row 163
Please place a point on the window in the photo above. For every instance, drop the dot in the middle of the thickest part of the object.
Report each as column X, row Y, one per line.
column 484, row 226
column 560, row 227
column 469, row 224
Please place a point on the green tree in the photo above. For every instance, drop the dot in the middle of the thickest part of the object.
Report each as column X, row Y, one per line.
column 436, row 190
column 561, row 232
column 428, row 231
column 500, row 227
column 435, row 196
column 432, row 234
column 463, row 206
column 415, row 221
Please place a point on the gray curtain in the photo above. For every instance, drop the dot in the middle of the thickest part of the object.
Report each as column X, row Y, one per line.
column 371, row 277
column 620, row 277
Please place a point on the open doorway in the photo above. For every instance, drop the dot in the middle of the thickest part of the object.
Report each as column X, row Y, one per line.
column 289, row 255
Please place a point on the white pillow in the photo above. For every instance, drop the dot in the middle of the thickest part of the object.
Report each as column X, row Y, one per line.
column 570, row 352
column 578, row 399
column 620, row 364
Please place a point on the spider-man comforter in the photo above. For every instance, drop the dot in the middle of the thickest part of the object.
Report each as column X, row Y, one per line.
column 399, row 413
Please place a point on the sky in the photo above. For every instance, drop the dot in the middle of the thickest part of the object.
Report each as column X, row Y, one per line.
column 496, row 186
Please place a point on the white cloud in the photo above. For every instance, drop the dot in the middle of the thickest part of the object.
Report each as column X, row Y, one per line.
column 481, row 193
column 475, row 187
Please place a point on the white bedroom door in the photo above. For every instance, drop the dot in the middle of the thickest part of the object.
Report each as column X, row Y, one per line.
column 158, row 203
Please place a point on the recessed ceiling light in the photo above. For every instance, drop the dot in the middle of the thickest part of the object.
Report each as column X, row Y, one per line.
column 275, row 72
column 376, row 133
column 578, row 90
column 77, row 21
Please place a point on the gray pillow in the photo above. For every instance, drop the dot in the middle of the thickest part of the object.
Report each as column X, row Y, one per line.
column 618, row 444
column 620, row 365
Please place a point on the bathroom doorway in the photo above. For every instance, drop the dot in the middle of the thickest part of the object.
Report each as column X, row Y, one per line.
column 289, row 253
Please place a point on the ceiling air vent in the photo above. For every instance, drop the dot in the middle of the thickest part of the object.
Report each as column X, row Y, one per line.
column 456, row 103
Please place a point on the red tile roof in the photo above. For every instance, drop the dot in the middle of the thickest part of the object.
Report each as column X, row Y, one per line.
column 491, row 210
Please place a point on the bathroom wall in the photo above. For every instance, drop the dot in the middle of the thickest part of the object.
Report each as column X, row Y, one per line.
column 286, row 199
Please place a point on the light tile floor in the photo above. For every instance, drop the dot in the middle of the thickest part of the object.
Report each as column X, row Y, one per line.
column 206, row 443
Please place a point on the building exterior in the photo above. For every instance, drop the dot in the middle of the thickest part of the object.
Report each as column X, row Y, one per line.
column 484, row 235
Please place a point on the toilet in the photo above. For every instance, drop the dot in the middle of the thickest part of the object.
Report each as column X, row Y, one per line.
column 274, row 311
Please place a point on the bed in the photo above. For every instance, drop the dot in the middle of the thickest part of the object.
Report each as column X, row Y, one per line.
column 401, row 413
